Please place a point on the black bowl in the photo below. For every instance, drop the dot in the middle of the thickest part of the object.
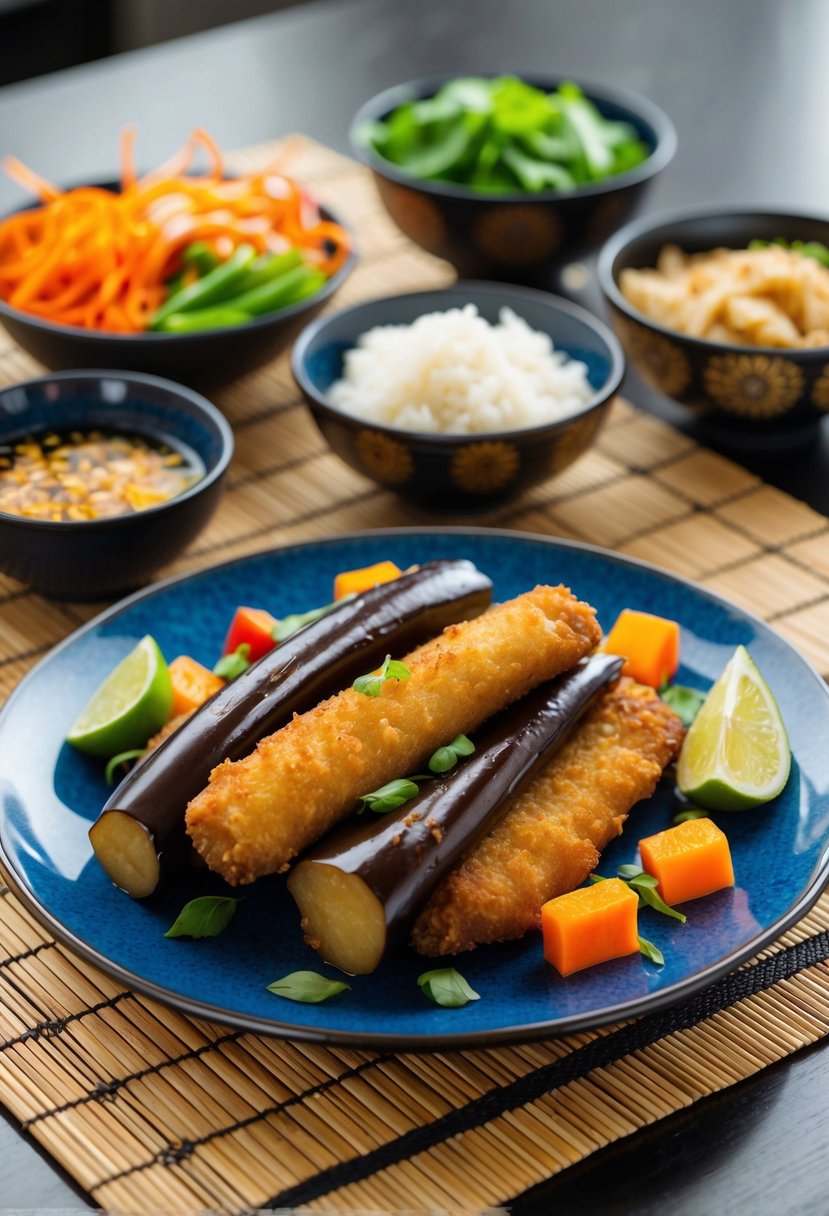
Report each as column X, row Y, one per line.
column 101, row 558
column 519, row 237
column 210, row 358
column 459, row 472
column 751, row 397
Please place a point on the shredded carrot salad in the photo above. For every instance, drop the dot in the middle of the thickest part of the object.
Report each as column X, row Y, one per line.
column 101, row 260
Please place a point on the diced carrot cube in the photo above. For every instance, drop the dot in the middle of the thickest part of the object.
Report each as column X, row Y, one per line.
column 352, row 582
column 590, row 925
column 689, row 860
column 192, row 683
column 649, row 644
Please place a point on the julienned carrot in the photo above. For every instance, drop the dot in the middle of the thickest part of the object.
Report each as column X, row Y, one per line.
column 101, row 260
column 649, row 644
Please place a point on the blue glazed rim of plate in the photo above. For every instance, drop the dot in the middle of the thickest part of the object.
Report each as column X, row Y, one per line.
column 607, row 1013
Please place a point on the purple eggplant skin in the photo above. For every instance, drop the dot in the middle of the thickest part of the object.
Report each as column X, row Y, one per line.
column 401, row 859
column 314, row 663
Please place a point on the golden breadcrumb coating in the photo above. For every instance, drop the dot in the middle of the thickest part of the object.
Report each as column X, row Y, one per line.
column 552, row 835
column 258, row 813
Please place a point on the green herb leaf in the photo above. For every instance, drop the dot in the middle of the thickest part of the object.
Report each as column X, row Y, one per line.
column 289, row 625
column 447, row 987
column 389, row 796
column 309, row 987
column 651, row 952
column 596, row 878
column 649, row 896
column 629, row 871
column 372, row 685
column 692, row 813
column 206, row 916
column 115, row 763
column 230, row 666
column 685, row 702
column 443, row 760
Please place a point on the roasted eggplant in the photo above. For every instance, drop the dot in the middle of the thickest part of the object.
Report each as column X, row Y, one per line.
column 143, row 822
column 361, row 888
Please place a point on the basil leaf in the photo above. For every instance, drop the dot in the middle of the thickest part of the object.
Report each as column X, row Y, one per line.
column 369, row 686
column 651, row 952
column 389, row 796
column 230, row 666
column 650, row 897
column 122, row 758
column 394, row 670
column 462, row 746
column 629, row 871
column 447, row 987
column 685, row 702
column 308, row 987
column 291, row 624
column 596, row 877
column 642, row 880
column 372, row 685
column 692, row 813
column 443, row 760
column 206, row 916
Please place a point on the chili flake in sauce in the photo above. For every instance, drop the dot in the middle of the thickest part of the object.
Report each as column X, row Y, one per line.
column 80, row 475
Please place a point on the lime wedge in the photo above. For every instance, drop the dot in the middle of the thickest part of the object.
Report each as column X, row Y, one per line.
column 133, row 702
column 736, row 753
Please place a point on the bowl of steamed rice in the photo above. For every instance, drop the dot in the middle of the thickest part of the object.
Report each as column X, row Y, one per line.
column 462, row 397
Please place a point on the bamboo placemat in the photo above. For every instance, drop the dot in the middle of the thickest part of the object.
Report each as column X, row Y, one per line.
column 149, row 1109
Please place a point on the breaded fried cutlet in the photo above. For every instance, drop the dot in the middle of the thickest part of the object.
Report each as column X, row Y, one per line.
column 258, row 813
column 552, row 836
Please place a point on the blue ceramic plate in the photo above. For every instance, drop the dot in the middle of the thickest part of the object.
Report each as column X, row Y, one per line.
column 49, row 795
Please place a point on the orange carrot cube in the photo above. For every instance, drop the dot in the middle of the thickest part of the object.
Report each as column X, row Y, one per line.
column 352, row 582
column 649, row 644
column 689, row 860
column 192, row 684
column 590, row 925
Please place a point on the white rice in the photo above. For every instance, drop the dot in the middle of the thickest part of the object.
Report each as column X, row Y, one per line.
column 454, row 373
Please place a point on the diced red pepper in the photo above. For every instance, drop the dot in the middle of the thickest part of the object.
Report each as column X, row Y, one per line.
column 253, row 627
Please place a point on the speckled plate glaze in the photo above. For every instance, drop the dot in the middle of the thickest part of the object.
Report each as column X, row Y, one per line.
column 49, row 795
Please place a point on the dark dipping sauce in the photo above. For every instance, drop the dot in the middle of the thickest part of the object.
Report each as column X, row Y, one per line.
column 87, row 474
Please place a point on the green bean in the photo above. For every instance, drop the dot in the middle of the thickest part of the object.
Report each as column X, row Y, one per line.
column 215, row 288
column 223, row 316
column 294, row 285
column 201, row 257
column 269, row 267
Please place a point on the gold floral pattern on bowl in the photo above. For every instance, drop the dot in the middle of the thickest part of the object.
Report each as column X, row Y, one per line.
column 820, row 390
column 661, row 362
column 574, row 441
column 518, row 235
column 483, row 468
column 384, row 458
column 416, row 215
column 754, row 386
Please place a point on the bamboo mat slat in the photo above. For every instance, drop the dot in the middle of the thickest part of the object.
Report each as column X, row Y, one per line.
column 148, row 1108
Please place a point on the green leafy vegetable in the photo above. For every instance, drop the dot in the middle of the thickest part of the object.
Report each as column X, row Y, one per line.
column 445, row 758
column 230, row 666
column 390, row 796
column 205, row 916
column 651, row 952
column 446, row 986
column 685, row 702
column 116, row 762
column 645, row 887
column 808, row 249
column 503, row 134
column 692, row 813
column 309, row 987
column 291, row 624
column 372, row 685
